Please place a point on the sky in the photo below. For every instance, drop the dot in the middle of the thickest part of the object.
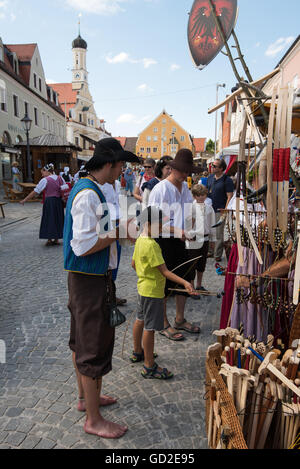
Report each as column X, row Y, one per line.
column 138, row 57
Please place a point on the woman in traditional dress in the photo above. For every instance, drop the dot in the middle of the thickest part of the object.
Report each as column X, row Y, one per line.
column 52, row 223
column 16, row 176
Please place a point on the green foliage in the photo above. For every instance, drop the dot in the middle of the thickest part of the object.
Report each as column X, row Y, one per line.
column 210, row 146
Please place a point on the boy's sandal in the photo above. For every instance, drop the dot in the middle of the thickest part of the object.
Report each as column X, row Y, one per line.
column 140, row 357
column 154, row 373
column 192, row 330
column 171, row 335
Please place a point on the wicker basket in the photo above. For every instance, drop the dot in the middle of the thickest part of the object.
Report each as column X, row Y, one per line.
column 229, row 418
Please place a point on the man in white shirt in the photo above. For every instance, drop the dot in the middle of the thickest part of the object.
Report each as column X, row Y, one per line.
column 90, row 253
column 174, row 198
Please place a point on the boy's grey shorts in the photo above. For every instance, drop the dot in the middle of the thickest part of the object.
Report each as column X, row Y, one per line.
column 151, row 311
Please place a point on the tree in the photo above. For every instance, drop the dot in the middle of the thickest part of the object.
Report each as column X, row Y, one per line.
column 210, row 146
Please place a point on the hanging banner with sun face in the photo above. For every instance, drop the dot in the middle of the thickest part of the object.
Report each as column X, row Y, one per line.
column 204, row 39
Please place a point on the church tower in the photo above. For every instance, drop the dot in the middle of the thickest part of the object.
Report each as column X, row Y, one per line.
column 79, row 71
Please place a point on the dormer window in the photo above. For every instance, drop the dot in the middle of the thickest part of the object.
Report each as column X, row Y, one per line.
column 16, row 67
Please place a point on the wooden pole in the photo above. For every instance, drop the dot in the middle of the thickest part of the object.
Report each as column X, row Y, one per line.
column 270, row 169
column 239, row 91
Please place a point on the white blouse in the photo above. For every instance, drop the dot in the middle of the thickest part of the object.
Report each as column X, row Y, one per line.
column 174, row 204
column 87, row 212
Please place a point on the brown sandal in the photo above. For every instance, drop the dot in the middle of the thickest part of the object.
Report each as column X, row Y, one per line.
column 171, row 335
column 180, row 327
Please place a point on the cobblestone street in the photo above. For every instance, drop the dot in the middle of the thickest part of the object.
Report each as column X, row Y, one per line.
column 38, row 393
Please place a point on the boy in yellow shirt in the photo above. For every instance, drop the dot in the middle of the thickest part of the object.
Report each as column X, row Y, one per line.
column 152, row 273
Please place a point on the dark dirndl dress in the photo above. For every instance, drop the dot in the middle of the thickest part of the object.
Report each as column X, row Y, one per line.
column 52, row 223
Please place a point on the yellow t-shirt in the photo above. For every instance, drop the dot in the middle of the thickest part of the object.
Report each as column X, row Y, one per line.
column 147, row 257
column 189, row 182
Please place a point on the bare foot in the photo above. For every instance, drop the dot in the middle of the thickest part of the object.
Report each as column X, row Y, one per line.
column 105, row 429
column 103, row 402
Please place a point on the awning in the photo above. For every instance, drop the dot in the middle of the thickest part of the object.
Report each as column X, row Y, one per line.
column 83, row 158
column 234, row 150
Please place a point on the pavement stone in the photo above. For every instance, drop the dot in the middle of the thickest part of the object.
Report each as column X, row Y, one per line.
column 38, row 394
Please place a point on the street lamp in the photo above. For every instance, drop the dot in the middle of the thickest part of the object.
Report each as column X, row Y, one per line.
column 26, row 121
column 216, row 129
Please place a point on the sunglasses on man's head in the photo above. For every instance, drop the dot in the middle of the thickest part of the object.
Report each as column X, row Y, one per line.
column 147, row 167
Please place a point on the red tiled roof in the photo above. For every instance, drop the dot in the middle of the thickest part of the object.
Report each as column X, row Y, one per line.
column 199, row 144
column 122, row 140
column 23, row 51
column 65, row 95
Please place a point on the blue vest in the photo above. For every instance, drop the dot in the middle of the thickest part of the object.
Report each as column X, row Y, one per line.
column 94, row 264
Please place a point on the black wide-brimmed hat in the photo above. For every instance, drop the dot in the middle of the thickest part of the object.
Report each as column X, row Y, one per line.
column 112, row 144
column 184, row 161
column 109, row 150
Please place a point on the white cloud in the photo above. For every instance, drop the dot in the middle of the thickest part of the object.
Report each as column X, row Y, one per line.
column 278, row 46
column 148, row 62
column 131, row 119
column 125, row 119
column 174, row 67
column 144, row 88
column 99, row 7
column 124, row 57
column 121, row 58
column 5, row 6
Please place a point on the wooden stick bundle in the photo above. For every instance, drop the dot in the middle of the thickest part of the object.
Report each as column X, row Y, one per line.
column 266, row 394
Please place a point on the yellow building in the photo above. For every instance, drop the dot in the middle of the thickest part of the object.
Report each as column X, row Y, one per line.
column 164, row 136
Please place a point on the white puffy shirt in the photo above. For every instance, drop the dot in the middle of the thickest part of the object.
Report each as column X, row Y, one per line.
column 87, row 212
column 165, row 195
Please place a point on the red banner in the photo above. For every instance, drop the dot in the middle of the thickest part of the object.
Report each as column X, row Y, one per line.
column 204, row 38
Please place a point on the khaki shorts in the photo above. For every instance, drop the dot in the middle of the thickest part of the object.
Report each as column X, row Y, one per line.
column 151, row 312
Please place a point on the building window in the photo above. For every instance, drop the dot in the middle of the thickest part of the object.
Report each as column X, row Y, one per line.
column 44, row 120
column 148, row 150
column 16, row 105
column 182, row 138
column 174, row 130
column 80, row 117
column 48, row 123
column 77, row 141
column 155, row 139
column 3, row 105
column 164, row 121
column 148, row 139
column 34, row 80
column 142, row 149
column 155, row 150
column 26, row 108
column 36, row 117
column 155, row 130
column 40, row 84
column 16, row 67
column 53, row 126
